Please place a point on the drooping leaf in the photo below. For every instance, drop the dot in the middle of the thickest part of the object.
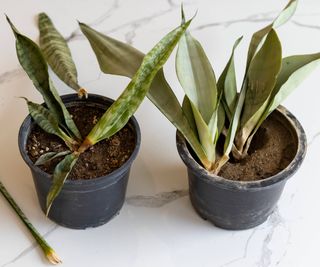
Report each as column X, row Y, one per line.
column 293, row 71
column 281, row 19
column 227, row 83
column 49, row 253
column 123, row 108
column 60, row 174
column 118, row 58
column 50, row 156
column 57, row 53
column 196, row 76
column 44, row 118
column 32, row 61
column 262, row 76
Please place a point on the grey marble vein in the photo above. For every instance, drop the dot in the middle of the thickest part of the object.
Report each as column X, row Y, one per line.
column 157, row 200
column 30, row 248
column 9, row 75
column 133, row 26
column 274, row 221
column 313, row 139
column 74, row 34
column 303, row 25
column 262, row 17
column 245, row 252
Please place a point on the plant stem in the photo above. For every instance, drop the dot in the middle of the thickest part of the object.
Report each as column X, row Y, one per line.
column 47, row 250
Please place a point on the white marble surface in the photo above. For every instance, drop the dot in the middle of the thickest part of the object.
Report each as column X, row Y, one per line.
column 157, row 226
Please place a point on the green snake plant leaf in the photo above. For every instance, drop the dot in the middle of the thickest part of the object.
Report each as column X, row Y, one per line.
column 44, row 118
column 187, row 110
column 60, row 174
column 227, row 83
column 293, row 71
column 48, row 251
column 123, row 108
column 34, row 64
column 196, row 76
column 281, row 19
column 205, row 133
column 118, row 58
column 50, row 156
column 57, row 53
column 262, row 76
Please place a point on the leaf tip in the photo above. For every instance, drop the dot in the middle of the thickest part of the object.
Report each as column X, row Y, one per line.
column 53, row 257
column 82, row 93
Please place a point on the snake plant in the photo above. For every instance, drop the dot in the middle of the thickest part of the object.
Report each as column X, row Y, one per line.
column 55, row 119
column 214, row 108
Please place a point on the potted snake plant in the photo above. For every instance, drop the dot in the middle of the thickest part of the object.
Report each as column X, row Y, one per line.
column 239, row 146
column 80, row 147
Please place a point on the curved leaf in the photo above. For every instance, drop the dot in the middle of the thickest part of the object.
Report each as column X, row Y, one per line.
column 48, row 122
column 294, row 70
column 123, row 108
column 60, row 174
column 32, row 61
column 50, row 156
column 196, row 76
column 57, row 53
column 262, row 75
column 281, row 19
column 118, row 58
column 227, row 83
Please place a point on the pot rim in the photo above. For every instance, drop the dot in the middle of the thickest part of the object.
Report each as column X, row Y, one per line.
column 28, row 122
column 286, row 173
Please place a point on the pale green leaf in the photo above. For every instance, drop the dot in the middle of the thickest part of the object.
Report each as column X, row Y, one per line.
column 57, row 53
column 293, row 71
column 187, row 110
column 281, row 19
column 123, row 108
column 118, row 58
column 50, row 156
column 205, row 135
column 262, row 76
column 227, row 83
column 60, row 174
column 196, row 76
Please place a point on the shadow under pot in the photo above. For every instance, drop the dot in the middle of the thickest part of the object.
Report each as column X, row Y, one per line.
column 237, row 204
column 82, row 203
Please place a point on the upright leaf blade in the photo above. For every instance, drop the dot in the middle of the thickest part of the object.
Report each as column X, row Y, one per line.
column 281, row 19
column 123, row 108
column 32, row 61
column 57, row 53
column 262, row 75
column 227, row 83
column 196, row 76
column 60, row 174
column 118, row 58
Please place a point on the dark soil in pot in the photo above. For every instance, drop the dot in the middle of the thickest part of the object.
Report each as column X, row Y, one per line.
column 96, row 191
column 101, row 159
column 272, row 149
column 244, row 202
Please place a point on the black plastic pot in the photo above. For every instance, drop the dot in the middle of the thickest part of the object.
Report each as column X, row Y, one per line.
column 82, row 203
column 237, row 205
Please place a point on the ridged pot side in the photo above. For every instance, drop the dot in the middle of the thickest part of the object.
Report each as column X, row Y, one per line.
column 82, row 203
column 240, row 205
